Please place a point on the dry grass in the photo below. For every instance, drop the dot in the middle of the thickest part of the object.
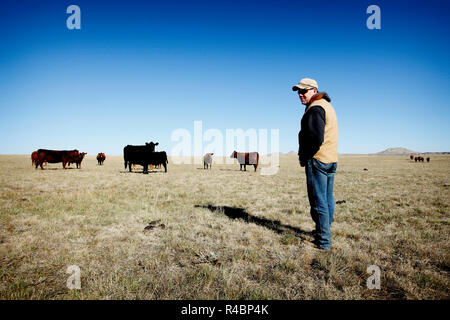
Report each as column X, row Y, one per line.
column 396, row 216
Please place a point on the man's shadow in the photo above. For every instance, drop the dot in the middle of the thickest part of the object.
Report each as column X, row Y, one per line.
column 274, row 225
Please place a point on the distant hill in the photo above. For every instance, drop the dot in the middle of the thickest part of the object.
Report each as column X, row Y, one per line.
column 396, row 151
column 275, row 153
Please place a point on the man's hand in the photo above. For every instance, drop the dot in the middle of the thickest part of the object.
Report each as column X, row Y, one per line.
column 300, row 162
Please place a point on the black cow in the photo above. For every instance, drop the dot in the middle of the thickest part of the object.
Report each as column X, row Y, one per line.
column 133, row 154
column 154, row 158
column 144, row 156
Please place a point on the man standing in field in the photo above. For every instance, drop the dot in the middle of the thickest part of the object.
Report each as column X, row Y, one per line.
column 318, row 154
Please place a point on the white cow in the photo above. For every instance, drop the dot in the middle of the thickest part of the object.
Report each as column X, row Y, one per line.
column 207, row 160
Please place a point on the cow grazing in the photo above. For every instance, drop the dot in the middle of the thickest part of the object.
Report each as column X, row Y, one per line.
column 244, row 159
column 416, row 159
column 133, row 154
column 428, row 159
column 55, row 156
column 207, row 160
column 411, row 157
column 101, row 158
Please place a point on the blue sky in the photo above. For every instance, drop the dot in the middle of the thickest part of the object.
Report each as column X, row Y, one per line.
column 138, row 70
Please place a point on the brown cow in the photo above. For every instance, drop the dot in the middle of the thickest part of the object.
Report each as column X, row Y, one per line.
column 79, row 159
column 251, row 158
column 34, row 158
column 419, row 159
column 411, row 157
column 55, row 156
column 101, row 158
column 158, row 166
column 207, row 160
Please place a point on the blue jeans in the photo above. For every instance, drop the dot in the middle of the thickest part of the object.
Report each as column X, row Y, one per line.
column 320, row 180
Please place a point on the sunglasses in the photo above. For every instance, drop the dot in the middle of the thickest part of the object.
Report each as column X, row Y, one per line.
column 303, row 91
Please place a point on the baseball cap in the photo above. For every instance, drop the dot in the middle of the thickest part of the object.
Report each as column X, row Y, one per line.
column 306, row 83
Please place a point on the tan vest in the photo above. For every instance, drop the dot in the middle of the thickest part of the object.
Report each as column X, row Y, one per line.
column 328, row 150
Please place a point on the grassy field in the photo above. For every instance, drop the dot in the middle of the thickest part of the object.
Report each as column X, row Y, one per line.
column 222, row 234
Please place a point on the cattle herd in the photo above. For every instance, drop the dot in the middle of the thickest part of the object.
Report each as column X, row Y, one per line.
column 144, row 155
column 418, row 158
column 41, row 156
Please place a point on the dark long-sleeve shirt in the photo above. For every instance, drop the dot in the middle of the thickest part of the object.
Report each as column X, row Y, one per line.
column 310, row 137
